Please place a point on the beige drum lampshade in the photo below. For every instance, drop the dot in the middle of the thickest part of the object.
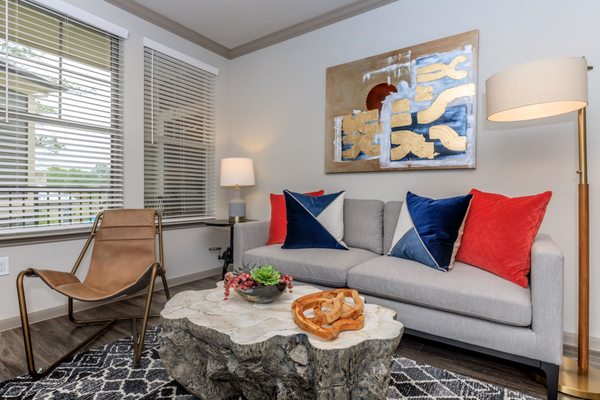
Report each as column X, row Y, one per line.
column 537, row 89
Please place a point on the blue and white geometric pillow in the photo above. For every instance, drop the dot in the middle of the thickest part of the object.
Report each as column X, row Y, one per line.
column 314, row 221
column 429, row 231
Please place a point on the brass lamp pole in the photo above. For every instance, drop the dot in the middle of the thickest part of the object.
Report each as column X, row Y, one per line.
column 542, row 89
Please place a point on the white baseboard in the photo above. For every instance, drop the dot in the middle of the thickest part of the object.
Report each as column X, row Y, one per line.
column 570, row 339
column 58, row 311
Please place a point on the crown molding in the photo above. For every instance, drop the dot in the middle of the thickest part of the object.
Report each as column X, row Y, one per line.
column 166, row 23
column 309, row 25
column 301, row 28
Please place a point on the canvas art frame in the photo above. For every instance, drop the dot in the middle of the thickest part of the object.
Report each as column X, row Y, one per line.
column 407, row 109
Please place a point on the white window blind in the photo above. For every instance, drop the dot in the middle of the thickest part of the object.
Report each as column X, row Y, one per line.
column 61, row 139
column 179, row 137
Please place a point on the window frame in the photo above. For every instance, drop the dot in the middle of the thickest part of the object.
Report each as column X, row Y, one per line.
column 210, row 187
column 69, row 230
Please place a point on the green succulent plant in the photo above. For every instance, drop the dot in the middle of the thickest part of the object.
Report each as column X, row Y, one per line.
column 266, row 275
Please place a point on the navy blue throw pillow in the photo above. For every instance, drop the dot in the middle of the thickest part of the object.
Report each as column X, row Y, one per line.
column 429, row 231
column 314, row 221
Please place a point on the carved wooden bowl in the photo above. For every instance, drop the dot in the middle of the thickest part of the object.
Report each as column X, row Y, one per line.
column 331, row 312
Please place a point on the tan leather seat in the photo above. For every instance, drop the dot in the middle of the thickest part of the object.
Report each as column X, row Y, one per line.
column 123, row 261
column 122, row 258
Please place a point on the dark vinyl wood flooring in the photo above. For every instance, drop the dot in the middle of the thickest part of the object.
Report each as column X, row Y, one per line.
column 55, row 336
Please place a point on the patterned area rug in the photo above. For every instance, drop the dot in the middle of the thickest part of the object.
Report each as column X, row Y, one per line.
column 107, row 373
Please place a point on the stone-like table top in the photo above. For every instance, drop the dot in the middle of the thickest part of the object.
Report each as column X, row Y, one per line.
column 247, row 323
column 221, row 349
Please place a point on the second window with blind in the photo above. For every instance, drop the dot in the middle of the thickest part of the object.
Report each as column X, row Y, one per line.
column 179, row 138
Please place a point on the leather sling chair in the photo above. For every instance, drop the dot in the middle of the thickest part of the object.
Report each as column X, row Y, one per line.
column 123, row 262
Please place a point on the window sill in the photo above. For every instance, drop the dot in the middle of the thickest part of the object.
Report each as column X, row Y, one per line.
column 172, row 225
column 66, row 235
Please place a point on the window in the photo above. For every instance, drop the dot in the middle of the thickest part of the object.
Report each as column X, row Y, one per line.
column 179, row 138
column 61, row 139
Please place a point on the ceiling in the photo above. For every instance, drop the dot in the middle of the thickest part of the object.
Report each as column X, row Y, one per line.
column 236, row 27
column 236, row 22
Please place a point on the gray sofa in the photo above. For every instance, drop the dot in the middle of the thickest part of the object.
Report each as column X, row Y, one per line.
column 466, row 307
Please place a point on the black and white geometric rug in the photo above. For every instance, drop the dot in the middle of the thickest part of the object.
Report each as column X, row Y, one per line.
column 107, row 373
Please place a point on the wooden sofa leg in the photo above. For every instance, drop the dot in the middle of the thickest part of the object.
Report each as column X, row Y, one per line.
column 551, row 371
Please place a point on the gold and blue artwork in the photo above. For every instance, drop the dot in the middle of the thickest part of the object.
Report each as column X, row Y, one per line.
column 413, row 108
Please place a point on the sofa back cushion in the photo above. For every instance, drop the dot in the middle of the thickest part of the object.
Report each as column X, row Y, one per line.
column 391, row 213
column 363, row 224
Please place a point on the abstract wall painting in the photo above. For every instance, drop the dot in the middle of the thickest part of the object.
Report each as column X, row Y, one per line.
column 413, row 108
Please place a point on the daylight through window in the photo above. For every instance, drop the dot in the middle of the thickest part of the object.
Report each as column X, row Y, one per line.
column 61, row 139
column 179, row 138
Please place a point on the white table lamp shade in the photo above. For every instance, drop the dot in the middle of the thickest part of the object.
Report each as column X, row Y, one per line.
column 237, row 171
column 537, row 89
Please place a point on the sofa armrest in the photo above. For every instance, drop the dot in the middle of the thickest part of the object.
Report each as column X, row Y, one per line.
column 246, row 236
column 547, row 270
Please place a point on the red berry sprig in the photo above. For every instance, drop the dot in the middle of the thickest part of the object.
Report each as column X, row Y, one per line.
column 287, row 280
column 244, row 281
column 241, row 281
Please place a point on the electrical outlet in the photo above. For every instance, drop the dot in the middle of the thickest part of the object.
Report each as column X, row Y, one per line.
column 4, row 270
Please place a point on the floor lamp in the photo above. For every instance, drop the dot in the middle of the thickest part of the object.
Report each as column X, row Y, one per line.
column 542, row 89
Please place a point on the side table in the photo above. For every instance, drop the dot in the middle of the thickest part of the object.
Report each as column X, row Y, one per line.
column 227, row 255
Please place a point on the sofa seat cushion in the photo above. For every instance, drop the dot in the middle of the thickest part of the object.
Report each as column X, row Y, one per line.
column 321, row 266
column 465, row 290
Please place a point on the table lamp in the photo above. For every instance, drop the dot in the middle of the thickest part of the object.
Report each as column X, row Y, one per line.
column 542, row 89
column 237, row 172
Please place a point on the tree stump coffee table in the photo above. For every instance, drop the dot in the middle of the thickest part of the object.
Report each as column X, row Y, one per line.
column 227, row 349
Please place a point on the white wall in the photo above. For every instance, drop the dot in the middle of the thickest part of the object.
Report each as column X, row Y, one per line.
column 186, row 250
column 277, row 112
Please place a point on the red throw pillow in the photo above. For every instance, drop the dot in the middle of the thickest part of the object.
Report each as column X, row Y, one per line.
column 278, row 227
column 499, row 232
